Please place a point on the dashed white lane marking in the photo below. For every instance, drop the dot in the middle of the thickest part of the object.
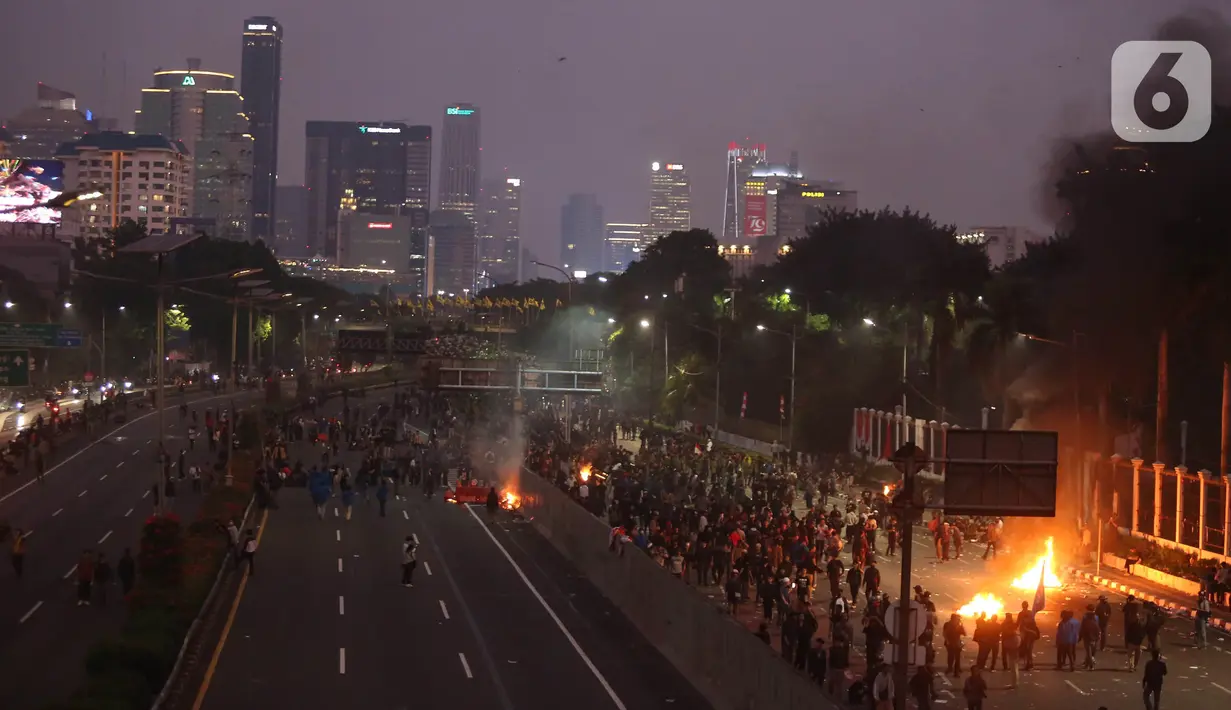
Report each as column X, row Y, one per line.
column 1073, row 685
column 103, row 539
column 26, row 617
column 83, row 492
column 598, row 675
column 335, row 512
column 130, row 512
column 102, row 477
column 61, row 510
column 119, row 464
column 149, row 441
column 70, row 572
column 339, row 564
column 341, row 606
column 342, row 661
column 461, row 657
column 146, row 494
column 427, row 568
column 415, row 538
column 407, row 516
column 444, row 609
column 339, row 536
column 136, row 451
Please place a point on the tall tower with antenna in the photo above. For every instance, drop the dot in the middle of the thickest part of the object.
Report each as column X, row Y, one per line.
column 741, row 160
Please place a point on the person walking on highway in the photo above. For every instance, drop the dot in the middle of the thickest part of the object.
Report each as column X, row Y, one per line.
column 17, row 553
column 348, row 492
column 409, row 560
column 952, row 632
column 1152, row 680
column 85, row 578
column 975, row 689
column 1103, row 611
column 126, row 570
column 102, row 578
column 249, row 552
column 382, row 494
column 1202, row 620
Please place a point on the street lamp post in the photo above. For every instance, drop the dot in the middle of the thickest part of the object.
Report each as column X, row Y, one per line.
column 794, row 336
column 905, row 345
column 572, row 338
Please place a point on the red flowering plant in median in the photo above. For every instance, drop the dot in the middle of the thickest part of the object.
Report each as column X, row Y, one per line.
column 161, row 557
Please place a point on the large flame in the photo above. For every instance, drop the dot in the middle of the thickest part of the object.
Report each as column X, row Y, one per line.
column 584, row 472
column 987, row 604
column 1045, row 568
column 510, row 501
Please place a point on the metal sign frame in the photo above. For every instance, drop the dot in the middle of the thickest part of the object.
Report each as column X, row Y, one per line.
column 998, row 472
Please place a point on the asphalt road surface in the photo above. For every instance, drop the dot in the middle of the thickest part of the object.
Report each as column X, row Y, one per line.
column 97, row 497
column 495, row 619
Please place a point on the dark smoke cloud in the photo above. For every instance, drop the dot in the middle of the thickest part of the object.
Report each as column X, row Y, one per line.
column 1070, row 152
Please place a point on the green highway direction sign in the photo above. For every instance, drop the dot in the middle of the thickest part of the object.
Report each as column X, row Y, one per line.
column 38, row 335
column 14, row 368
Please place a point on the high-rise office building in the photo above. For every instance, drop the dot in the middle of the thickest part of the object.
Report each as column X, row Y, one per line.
column 581, row 234
column 623, row 245
column 1002, row 244
column 291, row 231
column 741, row 161
column 202, row 110
column 670, row 200
column 261, row 85
column 801, row 205
column 355, row 167
column 38, row 131
column 419, row 167
column 452, row 253
column 147, row 179
column 500, row 230
column 459, row 159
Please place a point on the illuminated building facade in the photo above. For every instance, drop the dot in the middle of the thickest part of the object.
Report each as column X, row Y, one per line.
column 500, row 231
column 419, row 167
column 261, row 84
column 623, row 244
column 1002, row 244
column 459, row 159
column 670, row 200
column 801, row 205
column 54, row 120
column 741, row 161
column 148, row 179
column 452, row 254
column 352, row 166
column 741, row 258
column 203, row 111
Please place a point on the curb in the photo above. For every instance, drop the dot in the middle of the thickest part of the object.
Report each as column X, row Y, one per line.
column 1176, row 609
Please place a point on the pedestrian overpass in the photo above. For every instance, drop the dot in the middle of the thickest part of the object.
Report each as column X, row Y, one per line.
column 521, row 380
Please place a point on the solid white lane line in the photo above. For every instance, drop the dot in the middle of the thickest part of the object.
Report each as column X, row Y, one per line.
column 552, row 613
column 1072, row 685
column 461, row 656
column 83, row 492
column 444, row 609
column 102, row 477
column 61, row 510
column 146, row 494
column 70, row 572
column 342, row 661
column 103, row 539
column 339, row 536
column 339, row 564
column 130, row 512
column 26, row 617
column 406, row 515
column 1228, row 692
column 427, row 568
column 415, row 538
column 341, row 605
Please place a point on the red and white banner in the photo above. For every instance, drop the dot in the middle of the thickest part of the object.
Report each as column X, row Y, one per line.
column 876, row 434
column 743, row 407
column 755, row 213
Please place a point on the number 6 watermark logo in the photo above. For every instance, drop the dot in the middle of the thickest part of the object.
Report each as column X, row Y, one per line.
column 1161, row 92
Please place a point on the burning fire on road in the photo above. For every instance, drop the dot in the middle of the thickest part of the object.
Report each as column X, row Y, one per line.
column 1045, row 568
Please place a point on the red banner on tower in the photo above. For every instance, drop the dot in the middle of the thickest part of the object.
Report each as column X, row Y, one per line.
column 743, row 407
column 755, row 212
column 781, row 406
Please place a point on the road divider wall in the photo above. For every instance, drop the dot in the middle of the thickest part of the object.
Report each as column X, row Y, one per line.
column 730, row 666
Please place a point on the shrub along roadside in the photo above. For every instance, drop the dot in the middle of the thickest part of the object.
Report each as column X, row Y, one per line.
column 177, row 566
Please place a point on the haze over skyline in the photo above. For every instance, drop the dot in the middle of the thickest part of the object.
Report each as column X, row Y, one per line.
column 949, row 108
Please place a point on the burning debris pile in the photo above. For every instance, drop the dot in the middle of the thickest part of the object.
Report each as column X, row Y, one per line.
column 1039, row 577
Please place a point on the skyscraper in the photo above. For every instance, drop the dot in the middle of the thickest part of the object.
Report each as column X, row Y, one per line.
column 357, row 167
column 419, row 167
column 581, row 234
column 54, row 120
column 202, row 110
column 452, row 253
column 459, row 159
column 623, row 245
column 670, row 200
column 500, row 230
column 261, row 86
column 291, row 231
column 740, row 163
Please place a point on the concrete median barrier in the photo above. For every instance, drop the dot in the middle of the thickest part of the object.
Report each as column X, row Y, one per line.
column 730, row 666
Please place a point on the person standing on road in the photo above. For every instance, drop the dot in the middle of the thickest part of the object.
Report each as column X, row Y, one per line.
column 953, row 632
column 1202, row 619
column 102, row 578
column 1010, row 642
column 18, row 552
column 1103, row 611
column 975, row 689
column 348, row 492
column 1152, row 680
column 85, row 578
column 1134, row 631
column 249, row 553
column 126, row 570
column 409, row 560
column 382, row 494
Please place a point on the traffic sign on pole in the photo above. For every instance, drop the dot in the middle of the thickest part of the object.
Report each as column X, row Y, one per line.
column 14, row 368
column 38, row 335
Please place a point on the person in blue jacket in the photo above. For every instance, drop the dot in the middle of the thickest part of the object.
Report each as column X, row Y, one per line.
column 320, row 486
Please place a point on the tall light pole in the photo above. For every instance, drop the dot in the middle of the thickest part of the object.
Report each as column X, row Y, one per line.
column 905, row 344
column 569, row 295
column 794, row 336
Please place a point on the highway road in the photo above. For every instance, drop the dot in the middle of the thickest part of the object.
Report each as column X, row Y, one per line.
column 97, row 497
column 495, row 619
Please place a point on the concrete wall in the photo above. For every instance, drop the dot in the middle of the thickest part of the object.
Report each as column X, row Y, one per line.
column 728, row 664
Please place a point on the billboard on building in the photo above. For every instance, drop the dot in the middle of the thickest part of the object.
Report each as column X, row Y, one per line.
column 755, row 224
column 24, row 184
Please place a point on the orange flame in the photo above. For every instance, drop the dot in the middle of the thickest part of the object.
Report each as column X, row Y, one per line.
column 987, row 604
column 584, row 472
column 510, row 500
column 1044, row 567
column 886, row 490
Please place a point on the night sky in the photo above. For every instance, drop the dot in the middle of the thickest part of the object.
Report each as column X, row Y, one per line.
column 948, row 106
